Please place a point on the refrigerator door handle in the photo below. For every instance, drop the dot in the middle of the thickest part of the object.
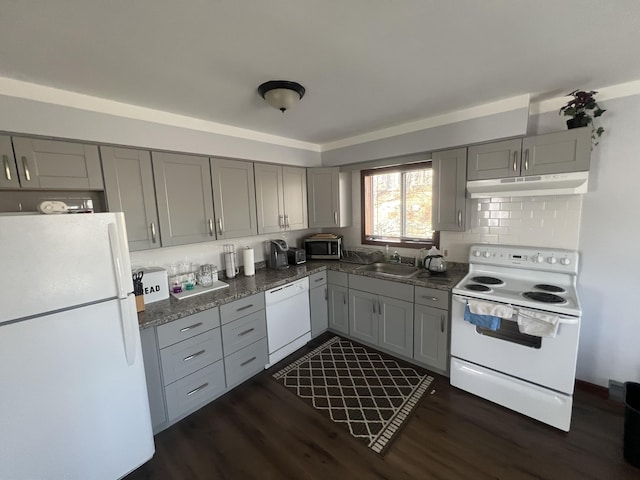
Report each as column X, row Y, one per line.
column 116, row 255
column 129, row 323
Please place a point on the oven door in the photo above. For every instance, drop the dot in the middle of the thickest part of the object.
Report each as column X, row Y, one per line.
column 548, row 362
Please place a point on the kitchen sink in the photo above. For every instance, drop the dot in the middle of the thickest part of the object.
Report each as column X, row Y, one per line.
column 391, row 269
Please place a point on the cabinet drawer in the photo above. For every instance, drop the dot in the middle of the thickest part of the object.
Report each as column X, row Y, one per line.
column 338, row 278
column 432, row 297
column 240, row 308
column 398, row 290
column 244, row 331
column 181, row 359
column 187, row 327
column 195, row 390
column 246, row 362
column 318, row 279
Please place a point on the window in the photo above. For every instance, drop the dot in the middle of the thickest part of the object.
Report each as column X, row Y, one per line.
column 396, row 205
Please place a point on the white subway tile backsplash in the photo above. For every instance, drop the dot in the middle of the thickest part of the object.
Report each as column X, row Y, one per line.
column 545, row 221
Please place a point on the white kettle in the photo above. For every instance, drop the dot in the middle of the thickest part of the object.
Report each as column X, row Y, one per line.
column 434, row 262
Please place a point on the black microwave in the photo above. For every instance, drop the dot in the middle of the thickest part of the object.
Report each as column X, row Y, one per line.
column 323, row 248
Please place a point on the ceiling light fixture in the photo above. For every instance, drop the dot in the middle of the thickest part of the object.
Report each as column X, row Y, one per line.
column 281, row 94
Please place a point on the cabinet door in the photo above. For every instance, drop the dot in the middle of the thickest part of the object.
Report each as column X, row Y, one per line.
column 338, row 308
column 129, row 188
column 363, row 316
column 234, row 198
column 430, row 336
column 269, row 200
column 561, row 152
column 494, row 160
column 57, row 165
column 319, row 310
column 323, row 193
column 9, row 176
column 449, row 190
column 395, row 325
column 185, row 201
column 294, row 183
column 152, row 372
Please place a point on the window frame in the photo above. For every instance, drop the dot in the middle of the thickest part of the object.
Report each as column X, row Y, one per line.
column 365, row 206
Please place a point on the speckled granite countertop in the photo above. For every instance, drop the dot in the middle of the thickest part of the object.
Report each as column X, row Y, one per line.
column 165, row 311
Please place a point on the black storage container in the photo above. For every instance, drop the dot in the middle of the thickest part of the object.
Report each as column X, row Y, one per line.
column 632, row 423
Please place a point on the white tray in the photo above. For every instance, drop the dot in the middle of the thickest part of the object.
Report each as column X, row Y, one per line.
column 198, row 289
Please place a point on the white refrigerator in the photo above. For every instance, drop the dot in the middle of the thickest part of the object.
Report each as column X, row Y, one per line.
column 73, row 396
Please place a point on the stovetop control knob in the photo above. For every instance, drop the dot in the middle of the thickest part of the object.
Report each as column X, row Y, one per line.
column 552, row 260
column 565, row 261
column 486, row 254
column 538, row 258
column 476, row 253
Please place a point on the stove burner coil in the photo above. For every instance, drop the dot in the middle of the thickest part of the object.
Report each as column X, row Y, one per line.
column 477, row 288
column 488, row 280
column 544, row 297
column 549, row 288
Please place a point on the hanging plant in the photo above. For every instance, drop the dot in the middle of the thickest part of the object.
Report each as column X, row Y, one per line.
column 582, row 109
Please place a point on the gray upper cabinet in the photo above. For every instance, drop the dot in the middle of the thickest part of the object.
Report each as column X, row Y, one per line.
column 329, row 193
column 449, row 190
column 234, row 198
column 560, row 152
column 280, row 198
column 185, row 199
column 52, row 164
column 128, row 179
column 9, row 176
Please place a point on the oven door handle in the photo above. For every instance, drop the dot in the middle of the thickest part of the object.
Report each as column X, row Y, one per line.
column 563, row 320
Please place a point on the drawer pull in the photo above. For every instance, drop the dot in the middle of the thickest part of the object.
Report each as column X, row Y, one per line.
column 245, row 332
column 319, row 279
column 244, row 308
column 191, row 357
column 196, row 390
column 247, row 362
column 195, row 325
column 442, row 323
column 433, row 299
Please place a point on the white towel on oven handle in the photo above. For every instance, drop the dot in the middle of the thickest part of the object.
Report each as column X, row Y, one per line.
column 537, row 323
column 487, row 308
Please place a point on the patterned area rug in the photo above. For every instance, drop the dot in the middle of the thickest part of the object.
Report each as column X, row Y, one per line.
column 370, row 395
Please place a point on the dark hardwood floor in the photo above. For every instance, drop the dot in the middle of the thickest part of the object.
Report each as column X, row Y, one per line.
column 262, row 431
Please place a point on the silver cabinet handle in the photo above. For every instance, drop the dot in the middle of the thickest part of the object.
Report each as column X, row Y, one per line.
column 319, row 279
column 335, row 217
column 433, row 299
column 460, row 218
column 7, row 170
column 211, row 227
column 325, row 293
column 286, row 220
column 190, row 327
column 25, row 165
column 153, row 232
column 245, row 332
column 281, row 221
column 196, row 390
column 526, row 159
column 244, row 308
column 220, row 227
column 379, row 308
column 442, row 323
column 373, row 304
column 247, row 362
column 515, row 161
column 344, row 298
column 191, row 357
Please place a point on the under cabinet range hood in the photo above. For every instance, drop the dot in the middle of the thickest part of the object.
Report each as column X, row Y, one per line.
column 551, row 184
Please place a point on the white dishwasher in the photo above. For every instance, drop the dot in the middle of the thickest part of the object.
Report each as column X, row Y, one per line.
column 288, row 319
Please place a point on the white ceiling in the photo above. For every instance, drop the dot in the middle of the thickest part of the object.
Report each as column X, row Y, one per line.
column 366, row 64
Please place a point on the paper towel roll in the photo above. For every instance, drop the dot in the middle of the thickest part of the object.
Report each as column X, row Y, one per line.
column 248, row 262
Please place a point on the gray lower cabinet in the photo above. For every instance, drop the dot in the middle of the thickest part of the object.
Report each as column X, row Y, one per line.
column 281, row 198
column 318, row 296
column 329, row 193
column 431, row 328
column 560, row 152
column 338, row 301
column 184, row 197
column 53, row 164
column 234, row 198
column 449, row 190
column 244, row 338
column 129, row 188
column 381, row 313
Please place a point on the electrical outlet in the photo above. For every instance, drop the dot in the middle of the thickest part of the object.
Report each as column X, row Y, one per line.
column 616, row 391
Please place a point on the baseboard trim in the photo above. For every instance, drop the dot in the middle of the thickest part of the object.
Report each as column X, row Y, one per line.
column 598, row 390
